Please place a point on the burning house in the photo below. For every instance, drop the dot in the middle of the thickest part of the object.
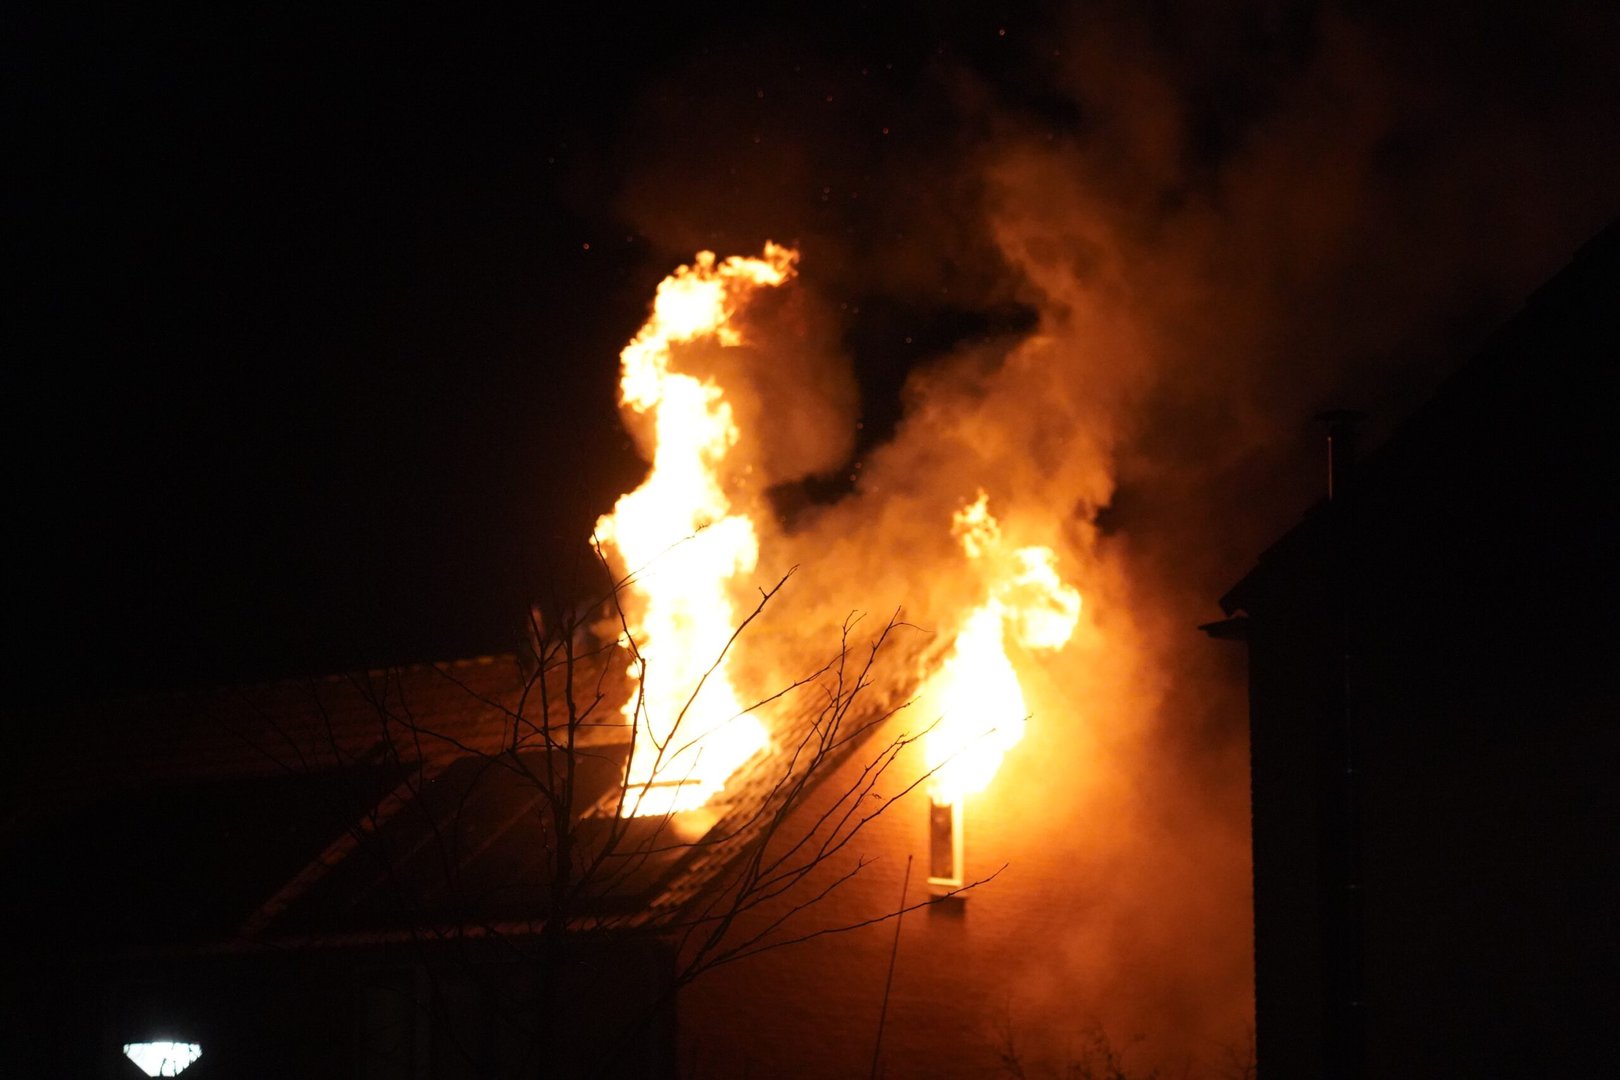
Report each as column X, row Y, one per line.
column 522, row 865
column 867, row 728
column 1433, row 706
column 723, row 823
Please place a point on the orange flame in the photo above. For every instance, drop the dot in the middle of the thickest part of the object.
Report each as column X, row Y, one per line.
column 975, row 694
column 683, row 544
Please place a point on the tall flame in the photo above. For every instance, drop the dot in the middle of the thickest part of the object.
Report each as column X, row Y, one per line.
column 976, row 695
column 682, row 544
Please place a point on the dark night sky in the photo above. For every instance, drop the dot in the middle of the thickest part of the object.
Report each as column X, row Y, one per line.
column 314, row 316
column 319, row 365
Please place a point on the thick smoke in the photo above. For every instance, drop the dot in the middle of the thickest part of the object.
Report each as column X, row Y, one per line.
column 790, row 355
column 1223, row 221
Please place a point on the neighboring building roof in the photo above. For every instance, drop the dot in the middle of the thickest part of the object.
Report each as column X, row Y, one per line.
column 1525, row 419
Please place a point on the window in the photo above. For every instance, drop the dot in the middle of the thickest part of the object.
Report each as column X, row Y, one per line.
column 945, row 857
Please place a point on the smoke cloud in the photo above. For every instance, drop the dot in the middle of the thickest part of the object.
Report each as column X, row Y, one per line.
column 1218, row 222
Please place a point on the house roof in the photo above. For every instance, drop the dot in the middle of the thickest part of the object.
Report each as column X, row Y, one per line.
column 369, row 807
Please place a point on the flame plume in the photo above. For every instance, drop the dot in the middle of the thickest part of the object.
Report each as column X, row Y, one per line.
column 975, row 694
column 682, row 544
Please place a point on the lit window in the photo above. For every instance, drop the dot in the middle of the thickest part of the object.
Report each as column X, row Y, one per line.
column 162, row 1058
column 945, row 870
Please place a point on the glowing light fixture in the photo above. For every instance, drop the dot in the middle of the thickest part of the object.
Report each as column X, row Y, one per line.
column 162, row 1058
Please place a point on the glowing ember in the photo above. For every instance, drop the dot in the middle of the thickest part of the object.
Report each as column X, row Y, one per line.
column 975, row 695
column 683, row 544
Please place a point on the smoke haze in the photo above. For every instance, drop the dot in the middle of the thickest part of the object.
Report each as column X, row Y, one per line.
column 1215, row 224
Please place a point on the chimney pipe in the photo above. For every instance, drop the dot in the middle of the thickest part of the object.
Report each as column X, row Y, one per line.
column 1341, row 440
